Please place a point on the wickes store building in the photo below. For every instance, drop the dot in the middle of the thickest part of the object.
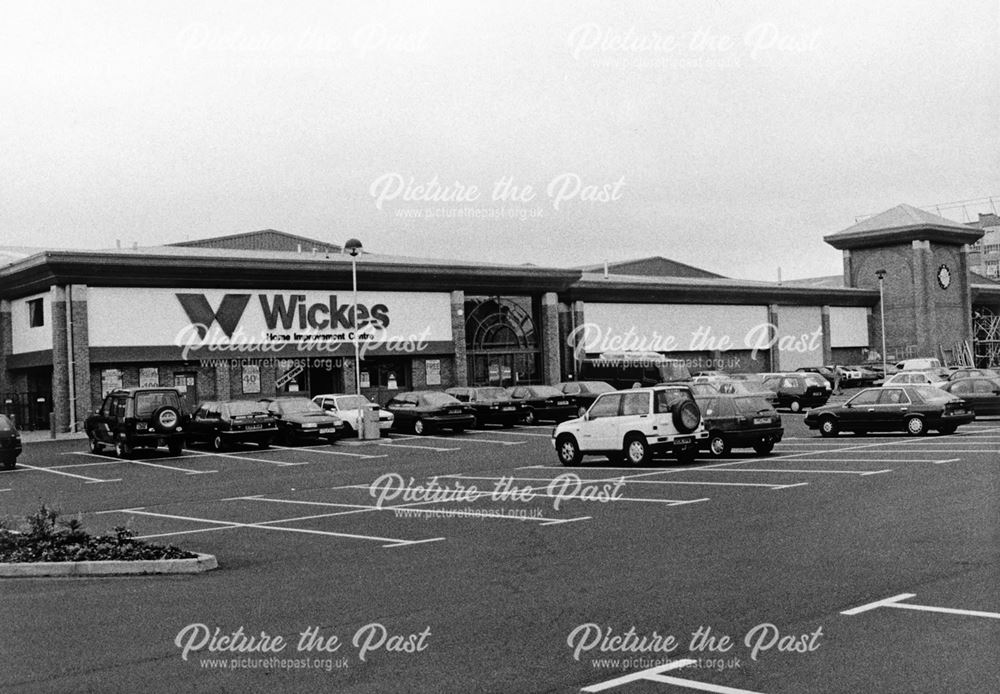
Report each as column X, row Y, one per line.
column 265, row 313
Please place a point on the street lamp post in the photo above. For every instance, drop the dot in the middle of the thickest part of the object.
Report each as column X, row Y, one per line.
column 881, row 308
column 353, row 247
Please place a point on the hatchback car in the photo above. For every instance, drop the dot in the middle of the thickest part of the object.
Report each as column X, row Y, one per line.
column 796, row 391
column 543, row 402
column 981, row 394
column 300, row 420
column 222, row 424
column 349, row 409
column 584, row 392
column 492, row 405
column 739, row 421
column 424, row 411
column 633, row 425
column 913, row 409
column 10, row 442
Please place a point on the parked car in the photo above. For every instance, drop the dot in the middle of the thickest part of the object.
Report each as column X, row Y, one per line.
column 744, row 386
column 862, row 376
column 796, row 391
column 634, row 425
column 913, row 409
column 703, row 390
column 981, row 394
column 424, row 411
column 10, row 443
column 300, row 420
column 827, row 372
column 223, row 423
column 916, row 378
column 131, row 418
column 625, row 369
column 918, row 364
column 349, row 408
column 739, row 421
column 492, row 405
column 967, row 372
column 543, row 402
column 584, row 392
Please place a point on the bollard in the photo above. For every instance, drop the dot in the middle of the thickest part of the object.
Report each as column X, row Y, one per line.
column 52, row 424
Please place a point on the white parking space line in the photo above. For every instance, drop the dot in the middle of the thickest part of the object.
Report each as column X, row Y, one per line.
column 859, row 473
column 508, row 432
column 243, row 457
column 89, row 480
column 423, row 448
column 393, row 541
column 700, row 686
column 326, row 452
column 672, row 502
column 463, row 439
column 950, row 460
column 177, row 469
column 640, row 675
column 4, row 490
column 628, row 481
column 896, row 601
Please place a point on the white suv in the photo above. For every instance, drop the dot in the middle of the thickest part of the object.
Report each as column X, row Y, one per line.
column 632, row 425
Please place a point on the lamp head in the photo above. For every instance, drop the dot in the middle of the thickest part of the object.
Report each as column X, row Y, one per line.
column 352, row 247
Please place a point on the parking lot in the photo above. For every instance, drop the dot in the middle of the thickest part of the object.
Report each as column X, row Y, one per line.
column 857, row 563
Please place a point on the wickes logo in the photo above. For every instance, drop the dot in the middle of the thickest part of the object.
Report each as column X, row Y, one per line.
column 281, row 311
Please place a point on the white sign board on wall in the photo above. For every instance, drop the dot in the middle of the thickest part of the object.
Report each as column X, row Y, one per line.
column 26, row 337
column 800, row 337
column 849, row 326
column 137, row 317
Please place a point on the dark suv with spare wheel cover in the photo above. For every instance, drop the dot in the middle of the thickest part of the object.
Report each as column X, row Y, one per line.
column 739, row 421
column 131, row 418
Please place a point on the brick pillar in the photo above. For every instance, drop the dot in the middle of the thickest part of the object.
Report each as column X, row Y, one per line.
column 6, row 346
column 551, row 371
column 827, row 337
column 848, row 270
column 773, row 355
column 458, row 337
column 223, row 380
column 81, row 355
column 60, row 362
column 923, row 299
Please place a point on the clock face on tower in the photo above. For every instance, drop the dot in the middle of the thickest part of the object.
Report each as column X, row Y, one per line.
column 944, row 277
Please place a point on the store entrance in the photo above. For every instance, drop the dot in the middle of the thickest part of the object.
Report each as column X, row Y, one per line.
column 325, row 377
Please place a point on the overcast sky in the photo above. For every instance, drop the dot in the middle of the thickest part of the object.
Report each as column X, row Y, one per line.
column 731, row 135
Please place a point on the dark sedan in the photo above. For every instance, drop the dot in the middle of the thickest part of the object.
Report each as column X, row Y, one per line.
column 981, row 394
column 739, row 421
column 968, row 372
column 913, row 409
column 424, row 411
column 796, row 391
column 222, row 424
column 10, row 442
column 543, row 402
column 492, row 405
column 300, row 420
column 584, row 393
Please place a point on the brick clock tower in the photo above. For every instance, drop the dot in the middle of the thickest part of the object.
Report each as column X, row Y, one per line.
column 928, row 305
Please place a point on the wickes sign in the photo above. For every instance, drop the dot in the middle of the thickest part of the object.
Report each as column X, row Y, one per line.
column 283, row 312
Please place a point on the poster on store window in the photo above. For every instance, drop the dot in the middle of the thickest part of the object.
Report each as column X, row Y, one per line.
column 433, row 372
column 111, row 379
column 251, row 378
column 149, row 377
column 366, row 380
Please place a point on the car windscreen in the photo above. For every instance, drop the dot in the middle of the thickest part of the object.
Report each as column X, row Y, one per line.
column 245, row 408
column 5, row 423
column 492, row 394
column 596, row 387
column 353, row 402
column 438, row 399
column 545, row 391
column 299, row 406
column 146, row 403
column 752, row 404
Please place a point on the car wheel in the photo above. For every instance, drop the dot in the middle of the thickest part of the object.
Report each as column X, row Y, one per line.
column 95, row 445
column 568, row 451
column 217, row 443
column 763, row 447
column 176, row 446
column 686, row 416
column 476, row 424
column 636, row 450
column 286, row 438
column 123, row 449
column 828, row 427
column 419, row 428
column 165, row 419
column 529, row 417
column 718, row 446
column 915, row 426
column 949, row 429
column 795, row 405
column 687, row 455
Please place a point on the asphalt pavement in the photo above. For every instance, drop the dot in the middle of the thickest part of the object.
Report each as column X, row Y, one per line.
column 477, row 563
